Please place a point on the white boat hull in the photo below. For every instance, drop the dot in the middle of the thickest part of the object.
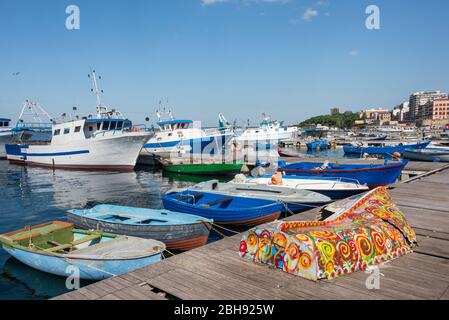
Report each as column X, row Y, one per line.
column 118, row 152
column 335, row 189
column 5, row 138
column 201, row 144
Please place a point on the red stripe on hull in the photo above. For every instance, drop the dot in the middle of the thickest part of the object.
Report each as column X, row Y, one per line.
column 188, row 244
column 255, row 221
column 73, row 167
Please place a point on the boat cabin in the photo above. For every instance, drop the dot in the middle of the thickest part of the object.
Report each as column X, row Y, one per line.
column 172, row 125
column 4, row 123
column 88, row 128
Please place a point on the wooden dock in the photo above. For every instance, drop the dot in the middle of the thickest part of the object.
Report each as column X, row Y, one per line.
column 216, row 271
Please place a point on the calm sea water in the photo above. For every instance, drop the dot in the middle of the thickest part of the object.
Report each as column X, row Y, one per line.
column 30, row 196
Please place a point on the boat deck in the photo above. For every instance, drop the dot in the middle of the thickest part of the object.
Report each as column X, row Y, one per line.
column 216, row 271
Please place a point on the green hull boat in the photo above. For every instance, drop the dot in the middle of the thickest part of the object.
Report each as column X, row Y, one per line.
column 202, row 169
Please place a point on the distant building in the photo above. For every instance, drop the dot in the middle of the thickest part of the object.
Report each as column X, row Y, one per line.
column 376, row 116
column 419, row 100
column 401, row 112
column 335, row 111
column 440, row 109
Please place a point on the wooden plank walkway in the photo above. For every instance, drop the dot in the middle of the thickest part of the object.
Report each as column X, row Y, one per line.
column 217, row 272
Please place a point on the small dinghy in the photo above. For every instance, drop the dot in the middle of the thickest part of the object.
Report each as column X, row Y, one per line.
column 383, row 150
column 428, row 154
column 330, row 187
column 291, row 154
column 224, row 209
column 294, row 199
column 179, row 231
column 55, row 246
column 322, row 144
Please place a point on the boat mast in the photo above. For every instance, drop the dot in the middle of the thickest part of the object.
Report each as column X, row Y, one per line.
column 101, row 109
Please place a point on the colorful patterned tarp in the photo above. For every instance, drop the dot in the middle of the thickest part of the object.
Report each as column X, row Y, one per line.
column 370, row 231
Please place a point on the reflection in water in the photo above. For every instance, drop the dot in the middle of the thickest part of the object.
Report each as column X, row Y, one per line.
column 39, row 285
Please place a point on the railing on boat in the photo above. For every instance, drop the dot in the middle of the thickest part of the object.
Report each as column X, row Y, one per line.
column 32, row 126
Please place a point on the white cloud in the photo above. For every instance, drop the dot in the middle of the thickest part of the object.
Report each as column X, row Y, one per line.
column 354, row 52
column 323, row 2
column 211, row 2
column 309, row 14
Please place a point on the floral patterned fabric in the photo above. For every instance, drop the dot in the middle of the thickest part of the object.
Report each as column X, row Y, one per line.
column 371, row 231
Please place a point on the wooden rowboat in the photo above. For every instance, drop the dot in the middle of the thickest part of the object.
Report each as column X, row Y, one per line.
column 179, row 231
column 56, row 246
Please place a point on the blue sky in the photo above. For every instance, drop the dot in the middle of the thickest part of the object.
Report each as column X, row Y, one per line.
column 290, row 58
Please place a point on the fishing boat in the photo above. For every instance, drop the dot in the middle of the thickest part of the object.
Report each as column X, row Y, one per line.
column 267, row 134
column 178, row 231
column 5, row 135
column 334, row 188
column 370, row 174
column 103, row 141
column 383, row 149
column 428, row 154
column 223, row 209
column 294, row 199
column 321, row 144
column 56, row 246
column 177, row 136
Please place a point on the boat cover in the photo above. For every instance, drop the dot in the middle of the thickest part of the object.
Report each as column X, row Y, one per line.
column 370, row 230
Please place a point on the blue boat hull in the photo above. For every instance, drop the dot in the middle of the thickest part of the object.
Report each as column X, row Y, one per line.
column 387, row 150
column 246, row 211
column 322, row 144
column 89, row 269
column 372, row 175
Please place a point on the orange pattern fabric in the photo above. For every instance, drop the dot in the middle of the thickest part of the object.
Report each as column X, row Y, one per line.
column 371, row 231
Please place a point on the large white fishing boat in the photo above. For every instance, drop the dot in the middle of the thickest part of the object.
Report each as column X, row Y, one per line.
column 103, row 141
column 6, row 134
column 177, row 136
column 268, row 131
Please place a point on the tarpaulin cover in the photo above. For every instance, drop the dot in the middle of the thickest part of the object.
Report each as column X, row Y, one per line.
column 369, row 231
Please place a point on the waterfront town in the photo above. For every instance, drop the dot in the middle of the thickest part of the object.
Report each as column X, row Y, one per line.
column 423, row 109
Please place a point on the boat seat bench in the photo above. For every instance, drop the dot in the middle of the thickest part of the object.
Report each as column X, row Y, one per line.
column 212, row 203
column 73, row 243
column 189, row 196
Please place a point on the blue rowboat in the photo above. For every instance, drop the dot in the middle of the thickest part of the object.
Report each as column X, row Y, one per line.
column 384, row 150
column 372, row 175
column 224, row 209
column 57, row 248
column 179, row 231
column 322, row 144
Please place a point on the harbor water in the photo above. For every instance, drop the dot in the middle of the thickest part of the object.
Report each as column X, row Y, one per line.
column 31, row 195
